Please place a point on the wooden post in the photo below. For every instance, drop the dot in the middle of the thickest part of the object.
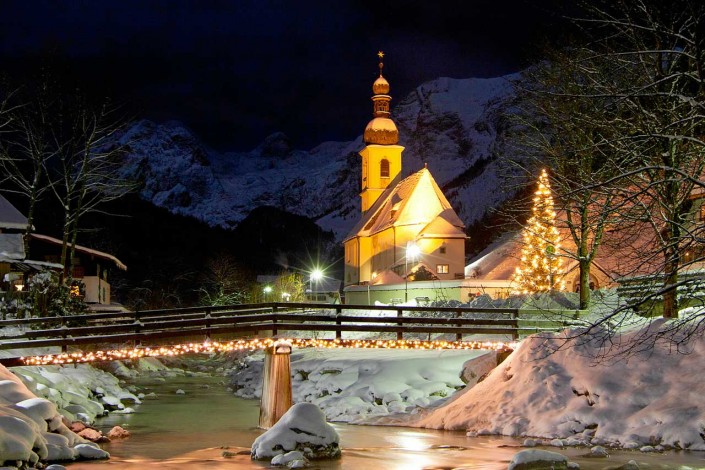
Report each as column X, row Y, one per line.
column 276, row 384
column 400, row 314
column 338, row 332
column 459, row 336
column 64, row 335
column 208, row 323
column 515, row 332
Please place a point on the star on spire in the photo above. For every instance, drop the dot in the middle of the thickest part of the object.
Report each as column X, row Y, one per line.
column 380, row 54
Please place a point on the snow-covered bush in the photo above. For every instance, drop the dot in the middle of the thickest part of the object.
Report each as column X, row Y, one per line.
column 50, row 297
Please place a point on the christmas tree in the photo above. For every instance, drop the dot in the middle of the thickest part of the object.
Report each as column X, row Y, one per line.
column 539, row 268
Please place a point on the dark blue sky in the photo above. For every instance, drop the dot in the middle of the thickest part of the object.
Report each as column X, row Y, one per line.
column 236, row 71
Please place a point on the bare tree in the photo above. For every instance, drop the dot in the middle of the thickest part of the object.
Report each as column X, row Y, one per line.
column 85, row 165
column 25, row 147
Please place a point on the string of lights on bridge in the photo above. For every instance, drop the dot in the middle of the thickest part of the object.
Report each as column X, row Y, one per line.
column 210, row 347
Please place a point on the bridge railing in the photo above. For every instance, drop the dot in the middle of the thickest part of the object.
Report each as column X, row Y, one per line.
column 153, row 326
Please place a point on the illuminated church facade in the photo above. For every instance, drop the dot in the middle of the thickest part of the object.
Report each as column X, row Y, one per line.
column 408, row 231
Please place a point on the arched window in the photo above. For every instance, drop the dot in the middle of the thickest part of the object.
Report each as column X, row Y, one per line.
column 384, row 168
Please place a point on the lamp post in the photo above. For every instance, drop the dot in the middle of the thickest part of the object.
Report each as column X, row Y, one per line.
column 267, row 290
column 412, row 251
column 316, row 275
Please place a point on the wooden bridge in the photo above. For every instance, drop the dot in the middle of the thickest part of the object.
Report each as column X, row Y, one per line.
column 155, row 327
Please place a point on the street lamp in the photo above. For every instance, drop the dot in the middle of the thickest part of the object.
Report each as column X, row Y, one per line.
column 412, row 251
column 316, row 275
column 267, row 290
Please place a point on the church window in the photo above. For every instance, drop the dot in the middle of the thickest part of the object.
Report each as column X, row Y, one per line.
column 384, row 168
column 442, row 250
column 442, row 269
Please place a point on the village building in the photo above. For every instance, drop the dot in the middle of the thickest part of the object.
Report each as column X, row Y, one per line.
column 90, row 266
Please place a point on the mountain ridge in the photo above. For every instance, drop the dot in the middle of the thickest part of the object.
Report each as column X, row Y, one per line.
column 456, row 126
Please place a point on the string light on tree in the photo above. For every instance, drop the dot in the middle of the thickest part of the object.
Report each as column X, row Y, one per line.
column 540, row 266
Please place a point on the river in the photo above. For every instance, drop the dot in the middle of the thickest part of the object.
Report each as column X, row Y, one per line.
column 194, row 430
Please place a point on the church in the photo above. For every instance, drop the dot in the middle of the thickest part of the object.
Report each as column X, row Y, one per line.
column 407, row 231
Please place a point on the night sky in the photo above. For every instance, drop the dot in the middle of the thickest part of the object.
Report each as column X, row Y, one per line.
column 236, row 71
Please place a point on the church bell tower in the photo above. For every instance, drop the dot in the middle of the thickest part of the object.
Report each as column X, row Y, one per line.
column 381, row 157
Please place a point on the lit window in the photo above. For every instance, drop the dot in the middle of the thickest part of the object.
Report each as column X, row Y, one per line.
column 442, row 269
column 384, row 168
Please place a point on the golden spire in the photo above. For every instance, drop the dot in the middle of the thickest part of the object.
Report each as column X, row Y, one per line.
column 381, row 130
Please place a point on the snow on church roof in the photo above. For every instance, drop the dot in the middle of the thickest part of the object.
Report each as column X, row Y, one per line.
column 416, row 200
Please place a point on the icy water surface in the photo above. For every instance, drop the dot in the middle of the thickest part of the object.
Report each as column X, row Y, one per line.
column 193, row 430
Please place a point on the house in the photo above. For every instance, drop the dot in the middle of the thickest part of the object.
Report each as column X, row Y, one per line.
column 492, row 271
column 407, row 226
column 90, row 266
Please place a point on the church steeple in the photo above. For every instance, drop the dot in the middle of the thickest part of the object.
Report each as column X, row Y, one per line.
column 381, row 129
column 381, row 158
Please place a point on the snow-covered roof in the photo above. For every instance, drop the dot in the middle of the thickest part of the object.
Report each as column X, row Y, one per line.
column 416, row 200
column 82, row 249
column 10, row 217
column 11, row 246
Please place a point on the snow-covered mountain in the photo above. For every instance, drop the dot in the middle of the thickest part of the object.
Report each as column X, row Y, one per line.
column 453, row 125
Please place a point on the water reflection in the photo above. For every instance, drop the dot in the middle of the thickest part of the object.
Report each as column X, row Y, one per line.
column 193, row 430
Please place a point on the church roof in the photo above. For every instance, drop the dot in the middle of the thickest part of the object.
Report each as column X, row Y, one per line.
column 416, row 200
column 10, row 217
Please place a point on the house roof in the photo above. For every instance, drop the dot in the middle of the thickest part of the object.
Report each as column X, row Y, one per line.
column 10, row 217
column 82, row 249
column 501, row 258
column 11, row 246
column 416, row 200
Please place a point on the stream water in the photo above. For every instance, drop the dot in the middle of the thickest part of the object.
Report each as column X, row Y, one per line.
column 195, row 429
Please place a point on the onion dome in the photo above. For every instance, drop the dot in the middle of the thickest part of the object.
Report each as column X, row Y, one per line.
column 380, row 86
column 381, row 129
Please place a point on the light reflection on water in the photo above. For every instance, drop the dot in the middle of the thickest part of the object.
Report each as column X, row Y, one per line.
column 191, row 431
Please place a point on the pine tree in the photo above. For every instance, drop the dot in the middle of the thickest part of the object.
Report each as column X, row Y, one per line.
column 539, row 268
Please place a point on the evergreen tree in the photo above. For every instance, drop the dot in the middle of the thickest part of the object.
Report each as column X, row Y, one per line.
column 539, row 268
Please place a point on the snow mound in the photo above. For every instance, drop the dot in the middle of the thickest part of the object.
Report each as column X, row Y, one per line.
column 303, row 428
column 651, row 396
column 354, row 385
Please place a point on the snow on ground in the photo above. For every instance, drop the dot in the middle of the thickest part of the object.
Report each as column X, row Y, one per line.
column 350, row 385
column 652, row 397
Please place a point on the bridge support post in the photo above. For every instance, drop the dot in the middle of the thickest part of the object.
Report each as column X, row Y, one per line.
column 276, row 386
column 515, row 317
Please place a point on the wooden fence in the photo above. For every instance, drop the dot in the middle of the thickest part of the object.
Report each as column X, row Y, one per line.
column 155, row 326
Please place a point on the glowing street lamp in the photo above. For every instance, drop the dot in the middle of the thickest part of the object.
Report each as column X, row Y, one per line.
column 316, row 275
column 267, row 290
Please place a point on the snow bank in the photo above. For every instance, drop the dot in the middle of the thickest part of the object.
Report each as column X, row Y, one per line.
column 650, row 397
column 80, row 392
column 31, row 428
column 303, row 428
column 350, row 385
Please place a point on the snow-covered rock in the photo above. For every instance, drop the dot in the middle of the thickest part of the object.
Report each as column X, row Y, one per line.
column 536, row 459
column 31, row 428
column 303, row 428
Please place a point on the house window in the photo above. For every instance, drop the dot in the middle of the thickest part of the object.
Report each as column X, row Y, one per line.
column 442, row 250
column 702, row 212
column 442, row 268
column 384, row 168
